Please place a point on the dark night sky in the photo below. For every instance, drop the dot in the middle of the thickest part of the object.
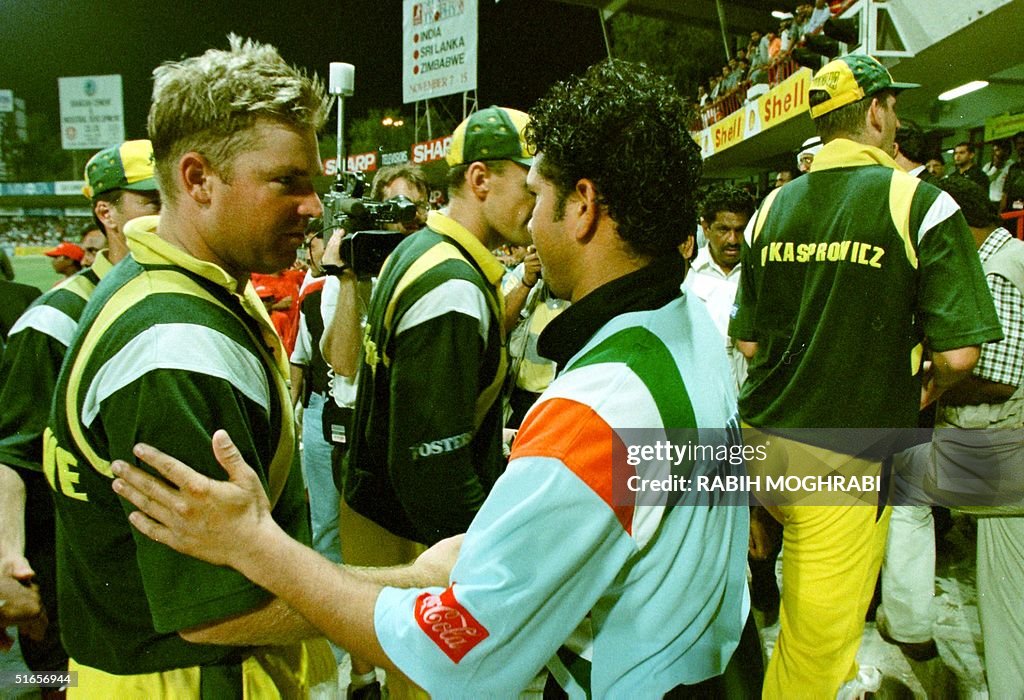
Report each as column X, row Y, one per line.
column 524, row 45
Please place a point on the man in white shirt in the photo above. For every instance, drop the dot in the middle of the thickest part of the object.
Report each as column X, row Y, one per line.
column 997, row 168
column 715, row 274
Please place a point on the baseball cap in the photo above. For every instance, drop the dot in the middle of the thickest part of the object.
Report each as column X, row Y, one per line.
column 495, row 133
column 851, row 78
column 128, row 166
column 68, row 250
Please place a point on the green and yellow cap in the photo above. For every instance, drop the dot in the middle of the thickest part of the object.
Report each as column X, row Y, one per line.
column 128, row 166
column 495, row 133
column 851, row 78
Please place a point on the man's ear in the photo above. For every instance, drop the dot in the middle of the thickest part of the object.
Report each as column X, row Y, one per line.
column 478, row 176
column 194, row 173
column 874, row 115
column 586, row 208
column 104, row 212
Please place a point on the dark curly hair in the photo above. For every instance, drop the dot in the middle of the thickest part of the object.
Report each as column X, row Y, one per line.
column 723, row 198
column 624, row 128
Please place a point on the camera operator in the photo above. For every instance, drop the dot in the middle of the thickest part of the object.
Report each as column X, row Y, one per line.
column 445, row 321
column 403, row 180
column 342, row 335
column 426, row 444
column 344, row 301
column 423, row 454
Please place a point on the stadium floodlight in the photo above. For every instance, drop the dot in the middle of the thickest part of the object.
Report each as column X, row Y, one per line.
column 964, row 89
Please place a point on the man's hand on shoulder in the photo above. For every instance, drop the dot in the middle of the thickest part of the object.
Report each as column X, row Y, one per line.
column 204, row 518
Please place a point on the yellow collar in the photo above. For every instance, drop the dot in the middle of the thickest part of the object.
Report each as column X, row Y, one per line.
column 100, row 265
column 844, row 153
column 445, row 225
column 149, row 249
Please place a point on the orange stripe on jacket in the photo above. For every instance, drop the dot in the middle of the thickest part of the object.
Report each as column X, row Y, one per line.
column 576, row 435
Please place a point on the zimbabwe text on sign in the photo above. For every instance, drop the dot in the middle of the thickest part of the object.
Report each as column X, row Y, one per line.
column 439, row 40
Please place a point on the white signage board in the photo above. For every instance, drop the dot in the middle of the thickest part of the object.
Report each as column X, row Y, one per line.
column 91, row 112
column 6, row 100
column 439, row 48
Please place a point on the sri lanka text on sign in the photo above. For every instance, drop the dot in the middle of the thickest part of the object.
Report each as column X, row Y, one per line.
column 439, row 48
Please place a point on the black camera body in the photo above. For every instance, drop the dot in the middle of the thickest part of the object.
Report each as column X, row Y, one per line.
column 366, row 246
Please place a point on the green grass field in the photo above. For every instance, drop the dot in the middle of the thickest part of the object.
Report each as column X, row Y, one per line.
column 35, row 270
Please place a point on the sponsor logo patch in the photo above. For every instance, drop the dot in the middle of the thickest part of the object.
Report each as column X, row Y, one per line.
column 448, row 624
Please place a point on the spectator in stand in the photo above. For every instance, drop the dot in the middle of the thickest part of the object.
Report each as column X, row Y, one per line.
column 67, row 259
column 819, row 15
column 963, row 158
column 93, row 241
column 727, row 83
column 997, row 169
column 753, row 45
column 715, row 85
column 801, row 17
column 773, row 41
column 702, row 96
column 910, row 150
column 757, row 54
column 742, row 68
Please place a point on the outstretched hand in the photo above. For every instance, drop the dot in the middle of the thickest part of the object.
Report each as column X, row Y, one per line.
column 204, row 518
column 20, row 603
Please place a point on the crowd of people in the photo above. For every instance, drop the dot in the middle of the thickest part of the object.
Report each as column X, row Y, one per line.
column 769, row 58
column 38, row 230
column 482, row 504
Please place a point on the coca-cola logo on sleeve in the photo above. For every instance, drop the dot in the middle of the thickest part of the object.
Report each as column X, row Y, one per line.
column 448, row 624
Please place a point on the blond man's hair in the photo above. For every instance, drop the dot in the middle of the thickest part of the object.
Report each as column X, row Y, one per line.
column 210, row 103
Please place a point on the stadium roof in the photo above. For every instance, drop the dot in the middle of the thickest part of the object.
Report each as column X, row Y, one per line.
column 741, row 16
